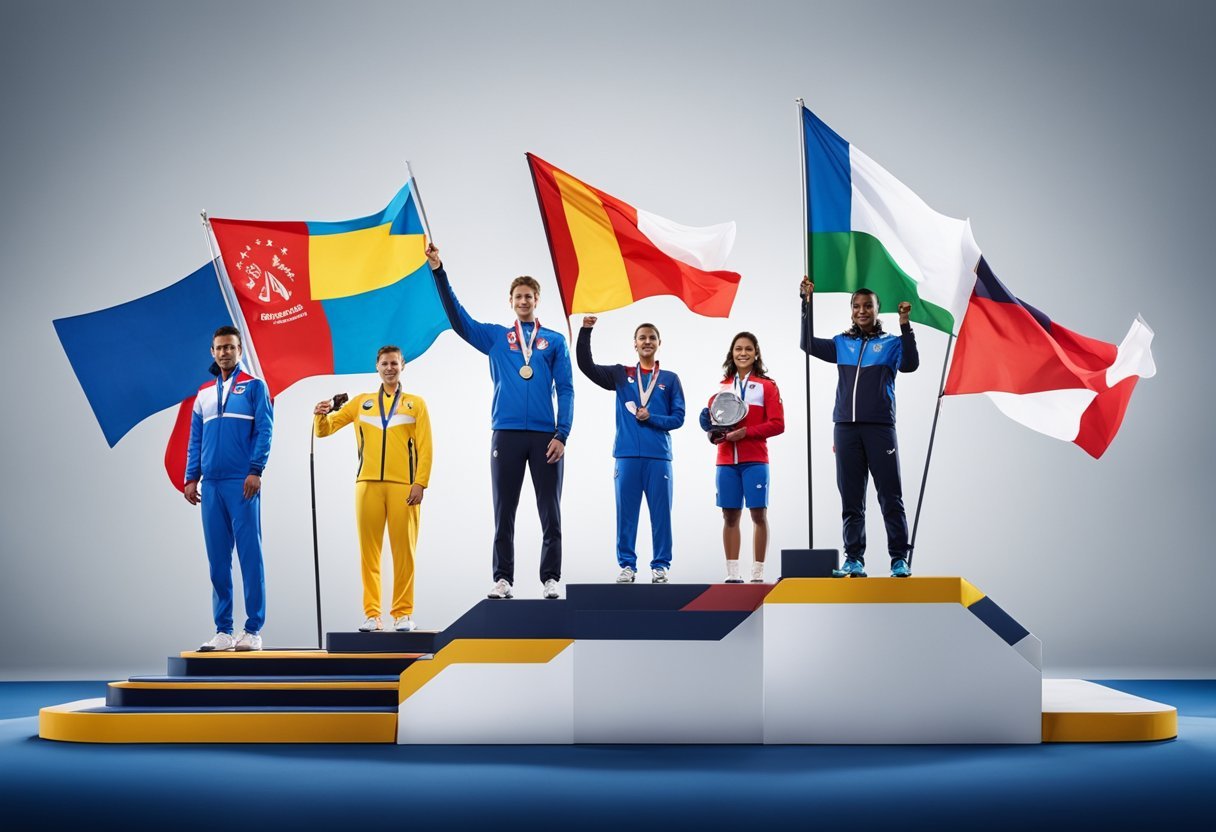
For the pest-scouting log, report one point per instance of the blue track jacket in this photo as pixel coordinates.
(650, 439)
(230, 428)
(519, 404)
(865, 391)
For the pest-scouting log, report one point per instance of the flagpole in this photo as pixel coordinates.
(544, 221)
(234, 308)
(426, 226)
(316, 550)
(924, 477)
(806, 332)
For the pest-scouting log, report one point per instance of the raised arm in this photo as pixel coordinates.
(479, 335)
(909, 359)
(822, 348)
(602, 375)
(326, 422)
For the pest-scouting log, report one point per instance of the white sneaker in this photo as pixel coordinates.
(502, 589)
(758, 573)
(550, 589)
(404, 624)
(219, 642)
(627, 575)
(371, 625)
(247, 642)
(658, 576)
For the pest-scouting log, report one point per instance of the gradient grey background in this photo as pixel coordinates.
(1076, 136)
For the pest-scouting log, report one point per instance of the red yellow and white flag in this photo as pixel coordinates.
(608, 254)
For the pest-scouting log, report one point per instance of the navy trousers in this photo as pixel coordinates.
(864, 449)
(512, 451)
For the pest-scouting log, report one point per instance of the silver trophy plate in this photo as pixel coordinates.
(727, 409)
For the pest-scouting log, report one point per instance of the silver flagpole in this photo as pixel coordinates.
(426, 226)
(809, 562)
(924, 477)
(806, 332)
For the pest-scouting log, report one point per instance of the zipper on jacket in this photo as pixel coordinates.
(410, 445)
(383, 450)
(857, 376)
(359, 472)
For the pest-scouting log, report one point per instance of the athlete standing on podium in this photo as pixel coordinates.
(864, 434)
(649, 405)
(393, 435)
(529, 366)
(230, 432)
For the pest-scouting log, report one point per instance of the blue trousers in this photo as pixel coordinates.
(229, 518)
(513, 451)
(636, 476)
(863, 449)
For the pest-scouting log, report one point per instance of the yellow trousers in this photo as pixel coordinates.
(378, 503)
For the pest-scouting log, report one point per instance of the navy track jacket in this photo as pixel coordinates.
(867, 366)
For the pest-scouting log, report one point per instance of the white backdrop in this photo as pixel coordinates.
(1075, 136)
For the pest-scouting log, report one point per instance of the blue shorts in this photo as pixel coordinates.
(747, 480)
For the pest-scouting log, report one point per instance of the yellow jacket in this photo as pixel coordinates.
(402, 453)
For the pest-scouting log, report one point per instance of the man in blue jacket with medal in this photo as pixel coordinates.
(649, 404)
(528, 364)
(230, 430)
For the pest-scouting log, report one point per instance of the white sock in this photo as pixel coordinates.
(758, 571)
(732, 568)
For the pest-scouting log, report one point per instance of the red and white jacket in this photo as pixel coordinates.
(765, 418)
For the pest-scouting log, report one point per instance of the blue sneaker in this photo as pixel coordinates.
(853, 568)
(900, 568)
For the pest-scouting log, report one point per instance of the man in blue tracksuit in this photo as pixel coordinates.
(230, 431)
(649, 404)
(867, 360)
(528, 365)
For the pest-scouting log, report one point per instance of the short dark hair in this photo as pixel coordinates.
(640, 327)
(864, 291)
(227, 329)
(524, 280)
(389, 348)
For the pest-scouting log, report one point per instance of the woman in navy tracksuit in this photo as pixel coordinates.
(867, 360)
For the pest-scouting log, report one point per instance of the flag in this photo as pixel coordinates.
(319, 298)
(866, 228)
(1044, 376)
(608, 254)
(140, 357)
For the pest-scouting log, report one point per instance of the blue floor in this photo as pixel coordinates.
(48, 785)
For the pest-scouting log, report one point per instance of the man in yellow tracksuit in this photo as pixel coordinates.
(393, 433)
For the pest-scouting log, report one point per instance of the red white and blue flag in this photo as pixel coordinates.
(1041, 374)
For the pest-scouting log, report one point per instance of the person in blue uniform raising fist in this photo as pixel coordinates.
(649, 405)
(530, 367)
(867, 360)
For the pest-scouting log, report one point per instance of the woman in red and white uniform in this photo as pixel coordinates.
(743, 452)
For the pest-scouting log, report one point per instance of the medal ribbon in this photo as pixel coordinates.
(221, 401)
(525, 346)
(385, 419)
(644, 392)
(741, 385)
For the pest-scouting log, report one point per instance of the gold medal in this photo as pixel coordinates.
(525, 347)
